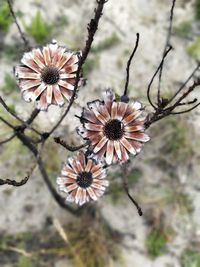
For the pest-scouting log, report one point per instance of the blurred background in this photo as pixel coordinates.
(164, 178)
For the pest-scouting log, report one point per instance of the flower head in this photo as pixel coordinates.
(82, 179)
(47, 75)
(115, 129)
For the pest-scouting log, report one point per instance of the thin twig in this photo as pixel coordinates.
(188, 103)
(126, 188)
(26, 124)
(9, 110)
(15, 183)
(162, 113)
(92, 28)
(185, 111)
(129, 64)
(190, 89)
(7, 139)
(7, 123)
(185, 83)
(167, 44)
(68, 147)
(26, 43)
(152, 79)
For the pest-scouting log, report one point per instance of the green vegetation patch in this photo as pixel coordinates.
(183, 29)
(39, 29)
(191, 259)
(116, 191)
(197, 9)
(5, 17)
(10, 85)
(91, 64)
(194, 49)
(107, 43)
(156, 243)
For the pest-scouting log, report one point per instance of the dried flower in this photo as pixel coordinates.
(47, 75)
(114, 128)
(82, 179)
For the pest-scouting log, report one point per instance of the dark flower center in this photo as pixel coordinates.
(50, 75)
(84, 179)
(114, 130)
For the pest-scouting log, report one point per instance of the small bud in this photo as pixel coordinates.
(125, 99)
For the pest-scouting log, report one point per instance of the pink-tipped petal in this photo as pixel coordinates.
(142, 137)
(100, 145)
(89, 165)
(134, 128)
(57, 95)
(91, 193)
(71, 187)
(121, 110)
(127, 145)
(49, 94)
(78, 195)
(99, 116)
(118, 149)
(47, 56)
(125, 156)
(109, 152)
(38, 91)
(27, 84)
(66, 85)
(114, 110)
(93, 127)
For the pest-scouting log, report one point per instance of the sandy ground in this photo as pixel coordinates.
(125, 18)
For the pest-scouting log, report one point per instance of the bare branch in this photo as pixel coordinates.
(26, 124)
(92, 28)
(185, 111)
(129, 64)
(165, 49)
(190, 89)
(68, 147)
(162, 113)
(185, 83)
(15, 183)
(126, 188)
(7, 139)
(7, 123)
(26, 43)
(152, 79)
(9, 110)
(188, 103)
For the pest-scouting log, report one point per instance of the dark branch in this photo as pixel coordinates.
(185, 83)
(14, 182)
(7, 123)
(92, 28)
(26, 43)
(188, 103)
(167, 44)
(152, 79)
(9, 110)
(162, 113)
(26, 124)
(185, 111)
(34, 114)
(7, 139)
(68, 147)
(126, 188)
(129, 64)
